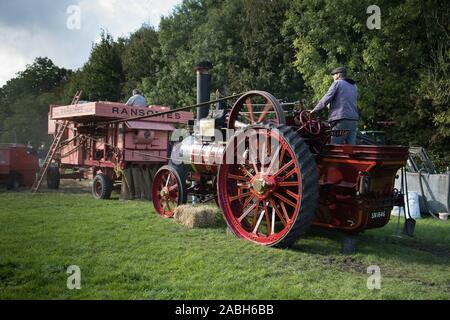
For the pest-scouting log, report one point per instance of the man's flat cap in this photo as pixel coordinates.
(339, 70)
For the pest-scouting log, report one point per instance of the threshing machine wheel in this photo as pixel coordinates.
(102, 186)
(256, 107)
(169, 189)
(53, 178)
(270, 198)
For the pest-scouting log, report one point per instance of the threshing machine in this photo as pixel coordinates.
(88, 140)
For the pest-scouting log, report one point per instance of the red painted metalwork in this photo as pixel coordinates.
(255, 107)
(18, 165)
(355, 183)
(95, 143)
(308, 124)
(166, 193)
(342, 204)
(259, 203)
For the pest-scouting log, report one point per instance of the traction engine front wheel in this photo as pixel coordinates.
(169, 189)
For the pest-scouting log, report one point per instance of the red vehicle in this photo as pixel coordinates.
(18, 165)
(274, 174)
(94, 146)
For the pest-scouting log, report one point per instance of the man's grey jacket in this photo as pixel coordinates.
(137, 101)
(342, 97)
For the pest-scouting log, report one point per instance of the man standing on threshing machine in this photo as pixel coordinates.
(343, 115)
(137, 100)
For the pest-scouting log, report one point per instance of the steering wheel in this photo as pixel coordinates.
(307, 123)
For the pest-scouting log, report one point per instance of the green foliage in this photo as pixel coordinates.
(401, 70)
(25, 100)
(140, 58)
(243, 40)
(103, 74)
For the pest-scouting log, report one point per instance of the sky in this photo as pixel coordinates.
(64, 30)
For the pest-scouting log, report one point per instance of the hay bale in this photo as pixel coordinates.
(195, 216)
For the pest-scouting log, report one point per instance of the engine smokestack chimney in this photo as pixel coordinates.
(203, 87)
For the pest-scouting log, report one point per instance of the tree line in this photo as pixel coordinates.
(285, 47)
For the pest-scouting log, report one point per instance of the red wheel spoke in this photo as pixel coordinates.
(290, 173)
(286, 215)
(250, 110)
(267, 107)
(292, 194)
(240, 196)
(288, 184)
(283, 168)
(283, 152)
(247, 202)
(237, 177)
(279, 214)
(284, 199)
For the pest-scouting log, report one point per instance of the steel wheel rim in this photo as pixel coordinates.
(255, 107)
(252, 219)
(165, 193)
(98, 188)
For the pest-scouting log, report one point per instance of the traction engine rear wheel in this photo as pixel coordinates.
(169, 189)
(269, 196)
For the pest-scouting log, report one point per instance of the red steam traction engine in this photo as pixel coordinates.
(99, 142)
(274, 174)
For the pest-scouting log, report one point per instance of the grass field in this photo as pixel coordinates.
(125, 251)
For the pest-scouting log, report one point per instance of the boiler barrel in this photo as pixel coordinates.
(198, 156)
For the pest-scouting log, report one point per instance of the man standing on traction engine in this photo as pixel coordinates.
(343, 114)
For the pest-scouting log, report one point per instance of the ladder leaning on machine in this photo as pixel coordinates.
(52, 151)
